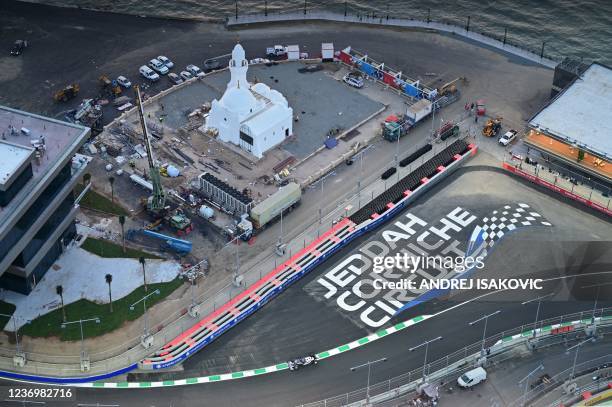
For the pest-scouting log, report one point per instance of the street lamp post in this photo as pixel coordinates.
(539, 300)
(397, 154)
(577, 347)
(360, 178)
(192, 274)
(526, 380)
(16, 329)
(596, 298)
(369, 365)
(144, 304)
(322, 181)
(426, 344)
(484, 331)
(80, 322)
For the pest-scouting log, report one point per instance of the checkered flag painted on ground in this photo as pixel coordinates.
(500, 223)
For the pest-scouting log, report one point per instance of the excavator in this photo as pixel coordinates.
(156, 203)
(492, 128)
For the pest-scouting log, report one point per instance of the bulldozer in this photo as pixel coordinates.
(492, 128)
(67, 93)
(110, 86)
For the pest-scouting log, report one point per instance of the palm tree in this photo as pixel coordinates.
(109, 280)
(144, 273)
(122, 223)
(111, 180)
(60, 291)
(86, 178)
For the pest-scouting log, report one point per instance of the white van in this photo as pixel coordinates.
(148, 73)
(472, 378)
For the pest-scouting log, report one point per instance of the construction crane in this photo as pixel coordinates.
(156, 203)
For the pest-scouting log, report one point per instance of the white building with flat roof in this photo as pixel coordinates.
(575, 127)
(253, 117)
(582, 113)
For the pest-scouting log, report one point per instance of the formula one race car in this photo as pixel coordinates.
(308, 360)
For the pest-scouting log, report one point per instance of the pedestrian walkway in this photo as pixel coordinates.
(502, 387)
(537, 377)
(380, 20)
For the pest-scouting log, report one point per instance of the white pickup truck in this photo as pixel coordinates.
(276, 51)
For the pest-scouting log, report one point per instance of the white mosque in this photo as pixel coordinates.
(254, 117)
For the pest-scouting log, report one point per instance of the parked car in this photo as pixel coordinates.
(355, 81)
(124, 82)
(259, 61)
(194, 70)
(148, 73)
(18, 47)
(158, 66)
(186, 75)
(174, 78)
(166, 61)
(211, 65)
(508, 137)
(311, 68)
(472, 378)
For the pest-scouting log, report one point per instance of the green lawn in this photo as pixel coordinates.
(7, 309)
(96, 201)
(104, 248)
(49, 324)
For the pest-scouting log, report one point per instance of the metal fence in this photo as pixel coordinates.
(564, 178)
(531, 397)
(457, 362)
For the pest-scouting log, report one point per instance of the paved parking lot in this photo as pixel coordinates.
(321, 102)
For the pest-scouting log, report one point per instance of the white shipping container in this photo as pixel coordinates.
(293, 52)
(327, 51)
(271, 207)
(142, 182)
(418, 111)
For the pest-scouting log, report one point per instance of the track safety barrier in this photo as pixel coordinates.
(370, 216)
(275, 282)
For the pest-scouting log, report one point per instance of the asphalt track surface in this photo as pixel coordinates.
(295, 323)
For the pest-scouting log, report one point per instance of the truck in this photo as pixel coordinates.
(276, 52)
(418, 111)
(286, 198)
(395, 127)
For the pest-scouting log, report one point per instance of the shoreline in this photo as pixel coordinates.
(324, 17)
(395, 23)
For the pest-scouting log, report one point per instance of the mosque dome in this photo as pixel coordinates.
(239, 99)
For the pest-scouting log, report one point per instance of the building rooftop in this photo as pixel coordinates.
(14, 157)
(22, 129)
(580, 114)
